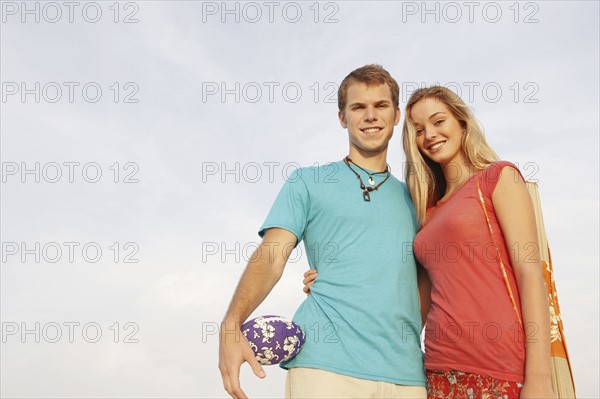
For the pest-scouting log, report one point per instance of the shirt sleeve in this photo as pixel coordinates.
(290, 209)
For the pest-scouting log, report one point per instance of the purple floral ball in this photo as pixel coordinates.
(273, 339)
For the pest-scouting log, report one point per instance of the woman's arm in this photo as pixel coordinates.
(424, 284)
(515, 214)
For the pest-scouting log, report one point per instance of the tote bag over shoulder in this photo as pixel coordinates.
(562, 373)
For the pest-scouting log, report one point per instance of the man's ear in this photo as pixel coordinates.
(397, 118)
(342, 119)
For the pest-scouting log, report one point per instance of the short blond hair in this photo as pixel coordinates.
(372, 74)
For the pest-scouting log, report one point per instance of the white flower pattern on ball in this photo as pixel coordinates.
(273, 339)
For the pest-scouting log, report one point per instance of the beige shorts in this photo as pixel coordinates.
(305, 383)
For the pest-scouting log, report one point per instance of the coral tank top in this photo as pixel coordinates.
(472, 325)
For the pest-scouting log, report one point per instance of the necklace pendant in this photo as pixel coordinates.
(366, 196)
(371, 181)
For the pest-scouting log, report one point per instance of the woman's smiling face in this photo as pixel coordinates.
(438, 132)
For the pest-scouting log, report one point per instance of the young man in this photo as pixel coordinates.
(362, 320)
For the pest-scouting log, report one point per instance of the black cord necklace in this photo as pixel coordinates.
(367, 190)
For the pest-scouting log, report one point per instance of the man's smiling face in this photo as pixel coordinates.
(370, 117)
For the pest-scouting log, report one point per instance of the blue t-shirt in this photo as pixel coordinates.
(362, 318)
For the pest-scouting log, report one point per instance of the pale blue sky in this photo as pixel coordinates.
(192, 216)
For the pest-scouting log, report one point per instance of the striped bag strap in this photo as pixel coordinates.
(498, 256)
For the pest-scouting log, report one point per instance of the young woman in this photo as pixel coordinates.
(482, 340)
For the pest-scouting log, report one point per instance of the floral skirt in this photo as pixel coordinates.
(459, 385)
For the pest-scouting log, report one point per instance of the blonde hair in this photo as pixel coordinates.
(425, 178)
